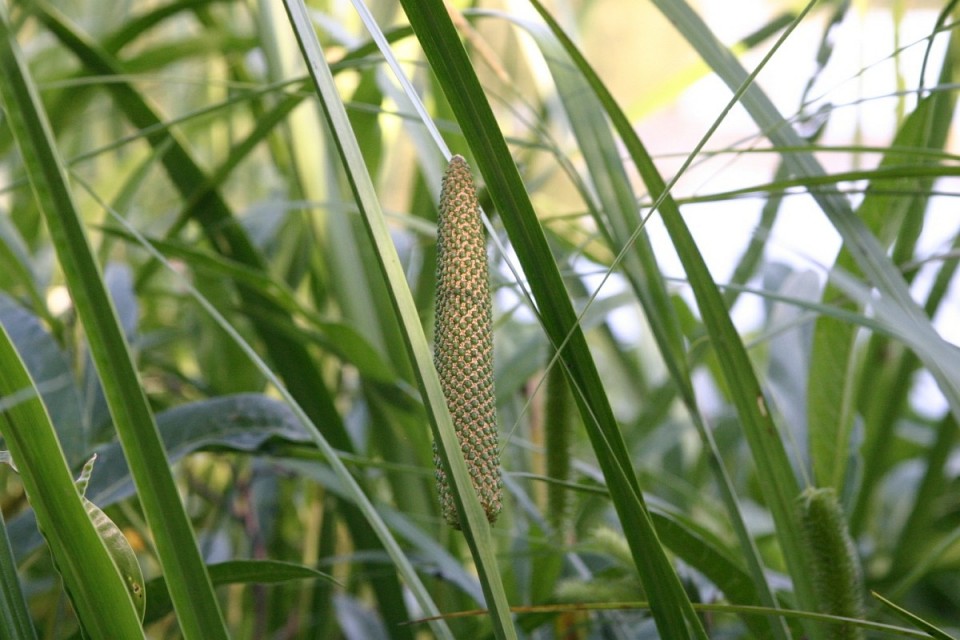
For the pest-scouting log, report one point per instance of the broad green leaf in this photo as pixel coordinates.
(50, 367)
(243, 422)
(122, 555)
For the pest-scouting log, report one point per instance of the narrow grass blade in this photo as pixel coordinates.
(834, 379)
(222, 229)
(192, 593)
(289, 355)
(15, 623)
(472, 519)
(880, 397)
(915, 620)
(867, 252)
(627, 238)
(450, 64)
(778, 483)
(351, 489)
(235, 572)
(96, 589)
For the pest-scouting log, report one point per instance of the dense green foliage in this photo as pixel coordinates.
(218, 259)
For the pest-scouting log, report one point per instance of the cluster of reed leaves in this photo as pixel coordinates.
(218, 257)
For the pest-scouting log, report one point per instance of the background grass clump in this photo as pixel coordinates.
(722, 256)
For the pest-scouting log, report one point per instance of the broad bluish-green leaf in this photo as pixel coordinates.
(243, 422)
(50, 367)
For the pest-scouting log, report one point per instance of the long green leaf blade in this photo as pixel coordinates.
(89, 574)
(863, 246)
(191, 591)
(779, 485)
(207, 206)
(619, 204)
(15, 621)
(449, 62)
(472, 519)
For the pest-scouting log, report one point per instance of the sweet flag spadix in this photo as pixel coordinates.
(463, 341)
